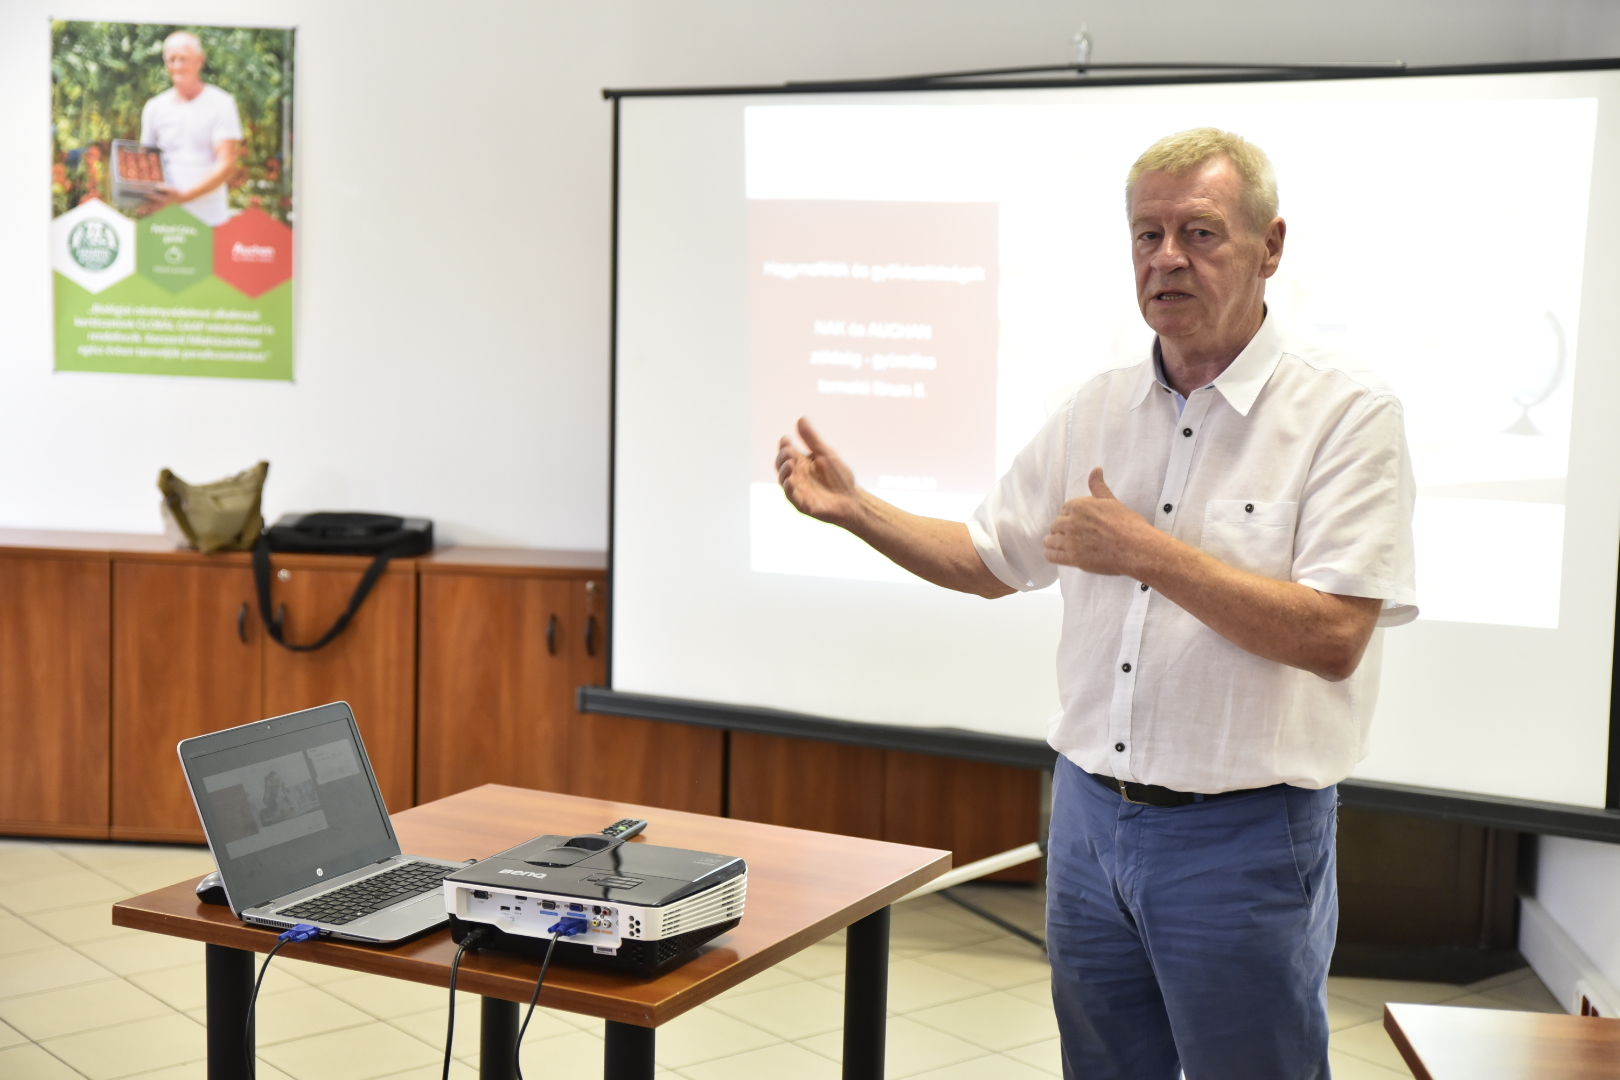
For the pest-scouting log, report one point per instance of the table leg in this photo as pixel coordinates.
(866, 996)
(230, 985)
(629, 1052)
(497, 1041)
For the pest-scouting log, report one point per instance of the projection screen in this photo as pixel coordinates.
(927, 275)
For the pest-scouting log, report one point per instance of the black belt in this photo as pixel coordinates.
(1154, 795)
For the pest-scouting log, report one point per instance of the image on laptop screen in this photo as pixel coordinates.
(279, 807)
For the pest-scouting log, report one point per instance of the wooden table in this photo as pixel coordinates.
(802, 886)
(1447, 1042)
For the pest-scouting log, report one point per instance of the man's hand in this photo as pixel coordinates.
(157, 200)
(817, 483)
(1100, 534)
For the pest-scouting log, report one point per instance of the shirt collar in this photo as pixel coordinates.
(1240, 384)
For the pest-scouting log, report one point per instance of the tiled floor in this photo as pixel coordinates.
(80, 998)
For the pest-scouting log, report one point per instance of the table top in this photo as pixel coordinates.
(802, 886)
(1449, 1042)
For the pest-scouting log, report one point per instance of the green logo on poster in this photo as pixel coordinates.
(93, 244)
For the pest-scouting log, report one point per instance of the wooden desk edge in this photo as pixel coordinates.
(511, 985)
(1392, 1027)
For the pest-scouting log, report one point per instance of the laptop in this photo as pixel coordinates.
(300, 833)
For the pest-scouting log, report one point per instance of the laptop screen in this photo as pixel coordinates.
(287, 802)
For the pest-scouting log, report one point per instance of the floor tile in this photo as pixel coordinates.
(1370, 1042)
(1375, 992)
(352, 1054)
(136, 1047)
(1035, 993)
(1344, 1013)
(387, 998)
(429, 1026)
(795, 1011)
(574, 1054)
(80, 1008)
(996, 1021)
(912, 1048)
(994, 1067)
(1046, 1056)
(1000, 965)
(1528, 995)
(143, 877)
(458, 1071)
(10, 1036)
(98, 856)
(816, 962)
(704, 1034)
(29, 1062)
(299, 1013)
(139, 953)
(1346, 1067)
(74, 888)
(316, 974)
(84, 923)
(784, 1061)
(18, 935)
(769, 979)
(915, 985)
(913, 931)
(186, 988)
(46, 969)
(24, 860)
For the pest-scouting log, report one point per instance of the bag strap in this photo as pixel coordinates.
(272, 624)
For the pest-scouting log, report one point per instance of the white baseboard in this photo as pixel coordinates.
(1560, 963)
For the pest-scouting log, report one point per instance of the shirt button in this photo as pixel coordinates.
(1125, 668)
(1187, 431)
(1144, 586)
(1249, 508)
(1120, 747)
(1167, 508)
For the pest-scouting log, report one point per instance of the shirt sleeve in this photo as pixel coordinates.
(227, 120)
(1009, 528)
(1355, 516)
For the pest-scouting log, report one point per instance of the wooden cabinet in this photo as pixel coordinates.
(970, 808)
(371, 665)
(54, 694)
(495, 681)
(185, 662)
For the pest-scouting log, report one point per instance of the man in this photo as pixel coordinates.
(1229, 520)
(199, 130)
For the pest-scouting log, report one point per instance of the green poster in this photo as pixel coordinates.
(172, 199)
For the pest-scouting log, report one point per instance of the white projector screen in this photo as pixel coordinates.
(926, 275)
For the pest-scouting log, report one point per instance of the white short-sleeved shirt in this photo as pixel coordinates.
(187, 132)
(1291, 465)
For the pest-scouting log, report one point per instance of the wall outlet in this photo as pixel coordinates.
(1587, 1003)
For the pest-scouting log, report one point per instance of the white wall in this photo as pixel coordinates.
(1577, 889)
(453, 321)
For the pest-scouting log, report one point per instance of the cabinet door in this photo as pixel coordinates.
(807, 785)
(185, 662)
(973, 808)
(643, 761)
(55, 670)
(371, 665)
(493, 683)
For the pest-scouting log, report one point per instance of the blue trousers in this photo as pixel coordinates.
(1191, 938)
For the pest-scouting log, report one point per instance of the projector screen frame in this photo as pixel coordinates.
(1490, 811)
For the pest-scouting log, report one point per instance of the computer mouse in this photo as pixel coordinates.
(211, 889)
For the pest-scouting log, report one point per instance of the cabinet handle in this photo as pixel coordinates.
(241, 623)
(551, 635)
(590, 636)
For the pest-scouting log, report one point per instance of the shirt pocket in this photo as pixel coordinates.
(1251, 535)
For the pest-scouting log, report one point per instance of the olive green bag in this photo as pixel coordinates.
(222, 516)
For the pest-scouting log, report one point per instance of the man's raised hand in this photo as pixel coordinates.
(817, 482)
(1100, 534)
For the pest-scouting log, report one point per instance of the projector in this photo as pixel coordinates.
(628, 907)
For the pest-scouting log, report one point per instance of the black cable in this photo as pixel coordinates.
(248, 1053)
(517, 1051)
(471, 940)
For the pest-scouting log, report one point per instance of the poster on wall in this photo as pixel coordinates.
(172, 199)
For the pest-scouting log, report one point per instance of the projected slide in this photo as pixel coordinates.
(927, 283)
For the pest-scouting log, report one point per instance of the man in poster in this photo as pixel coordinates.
(199, 130)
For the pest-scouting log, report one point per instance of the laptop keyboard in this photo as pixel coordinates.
(369, 895)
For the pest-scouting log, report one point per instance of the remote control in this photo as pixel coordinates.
(624, 830)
